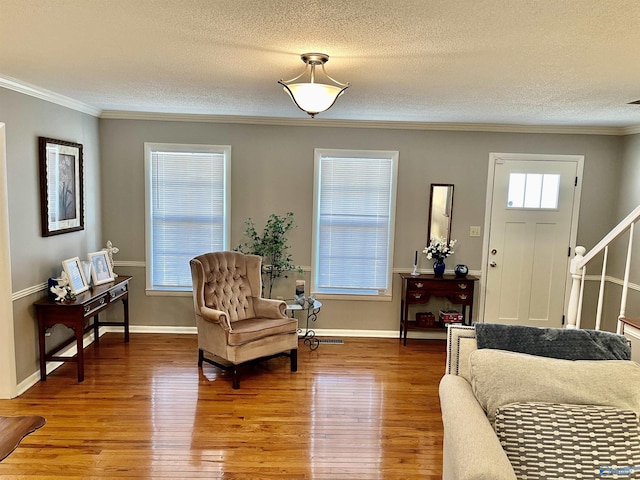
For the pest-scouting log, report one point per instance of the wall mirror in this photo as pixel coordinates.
(440, 211)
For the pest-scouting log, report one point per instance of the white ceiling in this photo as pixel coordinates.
(522, 62)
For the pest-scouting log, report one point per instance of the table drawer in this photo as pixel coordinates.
(441, 288)
(417, 285)
(418, 296)
(118, 292)
(461, 298)
(95, 305)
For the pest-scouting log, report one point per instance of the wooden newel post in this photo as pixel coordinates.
(575, 303)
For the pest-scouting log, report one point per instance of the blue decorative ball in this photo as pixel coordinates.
(461, 270)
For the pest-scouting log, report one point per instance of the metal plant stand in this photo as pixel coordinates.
(310, 310)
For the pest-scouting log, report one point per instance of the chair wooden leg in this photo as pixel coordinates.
(236, 378)
(200, 357)
(294, 359)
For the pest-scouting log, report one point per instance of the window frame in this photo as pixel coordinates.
(319, 153)
(149, 149)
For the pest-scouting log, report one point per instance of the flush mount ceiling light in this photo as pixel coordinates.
(312, 97)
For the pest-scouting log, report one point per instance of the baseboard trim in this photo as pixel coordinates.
(417, 334)
(320, 332)
(34, 378)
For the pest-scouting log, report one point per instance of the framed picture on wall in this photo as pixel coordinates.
(101, 271)
(61, 186)
(77, 280)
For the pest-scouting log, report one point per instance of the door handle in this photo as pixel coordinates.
(493, 264)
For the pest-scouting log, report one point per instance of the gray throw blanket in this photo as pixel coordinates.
(554, 342)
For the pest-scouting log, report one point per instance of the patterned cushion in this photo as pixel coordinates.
(550, 440)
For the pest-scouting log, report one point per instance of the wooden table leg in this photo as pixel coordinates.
(126, 319)
(405, 315)
(401, 322)
(41, 343)
(79, 331)
(96, 329)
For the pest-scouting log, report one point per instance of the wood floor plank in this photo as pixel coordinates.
(368, 409)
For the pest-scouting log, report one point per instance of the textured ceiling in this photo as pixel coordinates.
(531, 62)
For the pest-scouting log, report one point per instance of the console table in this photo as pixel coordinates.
(418, 289)
(76, 314)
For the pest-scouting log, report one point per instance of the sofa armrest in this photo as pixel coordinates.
(471, 450)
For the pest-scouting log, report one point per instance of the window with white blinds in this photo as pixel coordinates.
(354, 216)
(187, 214)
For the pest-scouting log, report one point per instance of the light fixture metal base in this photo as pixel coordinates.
(315, 58)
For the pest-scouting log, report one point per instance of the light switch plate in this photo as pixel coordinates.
(474, 231)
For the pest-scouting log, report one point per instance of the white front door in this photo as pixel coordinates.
(531, 224)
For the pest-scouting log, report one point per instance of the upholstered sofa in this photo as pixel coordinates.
(511, 415)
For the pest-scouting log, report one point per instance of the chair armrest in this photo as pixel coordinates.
(471, 450)
(268, 308)
(215, 316)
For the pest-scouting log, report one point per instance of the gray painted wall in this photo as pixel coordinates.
(272, 172)
(35, 258)
(629, 199)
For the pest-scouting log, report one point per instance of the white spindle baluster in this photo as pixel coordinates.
(579, 313)
(601, 292)
(625, 283)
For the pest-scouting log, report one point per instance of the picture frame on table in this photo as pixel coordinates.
(77, 281)
(61, 186)
(101, 270)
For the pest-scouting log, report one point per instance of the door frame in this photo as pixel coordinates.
(527, 157)
(8, 385)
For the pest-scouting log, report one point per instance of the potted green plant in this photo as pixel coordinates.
(272, 246)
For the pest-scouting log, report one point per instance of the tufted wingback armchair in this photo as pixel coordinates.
(235, 324)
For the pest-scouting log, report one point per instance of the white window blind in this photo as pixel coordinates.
(187, 209)
(354, 221)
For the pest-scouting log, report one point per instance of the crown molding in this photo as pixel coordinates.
(379, 124)
(53, 97)
(47, 95)
(631, 130)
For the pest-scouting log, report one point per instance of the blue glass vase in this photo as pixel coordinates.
(438, 268)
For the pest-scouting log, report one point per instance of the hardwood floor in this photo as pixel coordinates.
(368, 409)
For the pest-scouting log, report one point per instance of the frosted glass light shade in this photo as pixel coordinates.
(313, 97)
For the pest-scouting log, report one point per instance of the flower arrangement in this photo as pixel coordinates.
(438, 249)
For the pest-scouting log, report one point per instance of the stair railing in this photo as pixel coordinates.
(578, 270)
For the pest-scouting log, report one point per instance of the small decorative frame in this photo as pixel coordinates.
(101, 271)
(61, 186)
(73, 268)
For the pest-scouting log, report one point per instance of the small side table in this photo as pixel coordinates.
(311, 310)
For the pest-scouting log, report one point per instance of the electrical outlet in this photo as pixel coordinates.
(474, 231)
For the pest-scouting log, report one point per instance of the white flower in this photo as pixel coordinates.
(438, 249)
